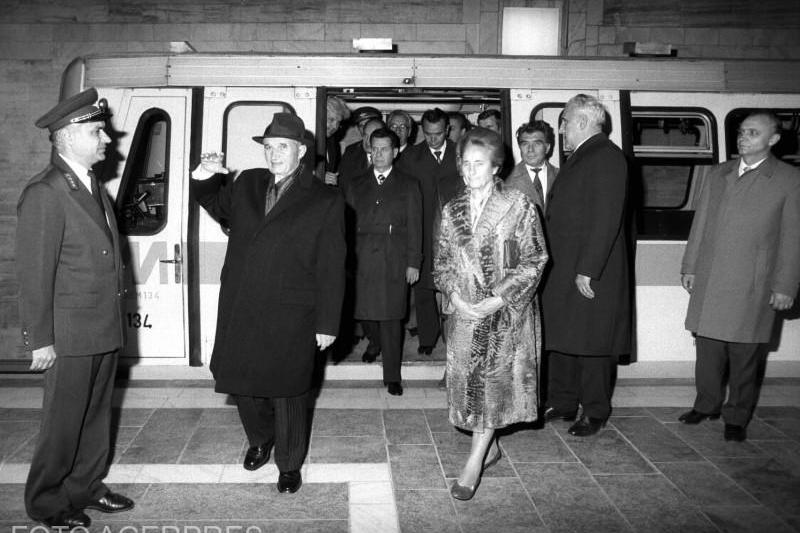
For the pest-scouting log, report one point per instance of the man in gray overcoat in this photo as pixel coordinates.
(741, 265)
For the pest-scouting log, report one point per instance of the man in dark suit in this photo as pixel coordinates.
(281, 293)
(433, 163)
(388, 216)
(357, 158)
(534, 175)
(401, 123)
(741, 266)
(586, 299)
(70, 274)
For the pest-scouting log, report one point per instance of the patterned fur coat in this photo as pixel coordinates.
(492, 363)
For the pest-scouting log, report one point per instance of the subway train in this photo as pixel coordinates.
(674, 118)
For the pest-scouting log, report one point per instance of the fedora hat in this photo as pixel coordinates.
(285, 126)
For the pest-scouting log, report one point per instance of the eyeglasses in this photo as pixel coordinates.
(398, 127)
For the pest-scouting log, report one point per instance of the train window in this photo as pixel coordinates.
(672, 150)
(142, 204)
(243, 121)
(787, 149)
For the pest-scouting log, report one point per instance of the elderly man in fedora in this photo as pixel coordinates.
(281, 293)
(70, 295)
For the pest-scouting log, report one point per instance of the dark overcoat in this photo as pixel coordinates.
(388, 228)
(282, 281)
(439, 183)
(588, 233)
(744, 245)
(492, 363)
(68, 266)
(353, 163)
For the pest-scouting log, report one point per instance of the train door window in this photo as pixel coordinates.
(243, 121)
(142, 202)
(787, 149)
(672, 151)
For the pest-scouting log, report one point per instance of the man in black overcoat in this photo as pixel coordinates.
(388, 228)
(70, 294)
(433, 163)
(586, 299)
(281, 293)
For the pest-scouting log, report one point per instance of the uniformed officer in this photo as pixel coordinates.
(70, 275)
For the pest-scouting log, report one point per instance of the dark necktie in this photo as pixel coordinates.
(438, 154)
(537, 183)
(272, 198)
(96, 192)
(381, 179)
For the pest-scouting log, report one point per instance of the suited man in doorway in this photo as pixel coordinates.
(534, 175)
(70, 274)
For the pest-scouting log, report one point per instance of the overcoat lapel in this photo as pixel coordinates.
(293, 196)
(83, 197)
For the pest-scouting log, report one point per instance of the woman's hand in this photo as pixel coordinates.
(463, 308)
(487, 306)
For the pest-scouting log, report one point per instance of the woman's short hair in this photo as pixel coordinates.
(486, 139)
(336, 107)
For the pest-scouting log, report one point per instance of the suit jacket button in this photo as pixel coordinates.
(104, 252)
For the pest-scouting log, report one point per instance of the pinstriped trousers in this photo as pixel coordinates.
(283, 421)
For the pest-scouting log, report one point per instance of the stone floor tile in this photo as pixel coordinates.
(528, 445)
(262, 526)
(608, 453)
(766, 479)
(242, 502)
(221, 416)
(406, 426)
(347, 472)
(705, 485)
(499, 504)
(453, 440)
(655, 441)
(12, 503)
(629, 411)
(568, 499)
(668, 414)
(371, 493)
(347, 423)
(786, 452)
(347, 449)
(14, 434)
(121, 438)
(214, 445)
(746, 519)
(373, 518)
(707, 439)
(438, 420)
(650, 503)
(415, 466)
(130, 416)
(163, 437)
(426, 510)
(453, 463)
(788, 426)
(8, 415)
(783, 411)
(758, 429)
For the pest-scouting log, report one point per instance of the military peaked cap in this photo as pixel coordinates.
(74, 110)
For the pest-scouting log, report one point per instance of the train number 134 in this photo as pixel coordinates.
(136, 320)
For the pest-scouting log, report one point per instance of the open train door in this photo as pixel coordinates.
(147, 173)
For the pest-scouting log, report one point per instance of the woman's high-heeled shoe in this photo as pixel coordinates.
(462, 492)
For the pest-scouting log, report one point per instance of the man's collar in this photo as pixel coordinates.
(385, 173)
(440, 149)
(76, 167)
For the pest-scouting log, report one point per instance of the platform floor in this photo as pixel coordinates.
(379, 463)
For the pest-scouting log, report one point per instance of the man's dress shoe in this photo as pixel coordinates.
(424, 349)
(551, 413)
(111, 503)
(257, 456)
(68, 520)
(586, 426)
(413, 332)
(695, 417)
(394, 388)
(369, 357)
(735, 433)
(290, 481)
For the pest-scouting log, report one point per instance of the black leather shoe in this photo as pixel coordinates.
(586, 426)
(424, 349)
(289, 481)
(370, 357)
(551, 413)
(111, 503)
(257, 456)
(735, 433)
(695, 417)
(68, 520)
(394, 388)
(412, 332)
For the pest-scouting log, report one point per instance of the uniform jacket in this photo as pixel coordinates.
(388, 220)
(520, 179)
(588, 233)
(744, 244)
(439, 183)
(492, 363)
(353, 163)
(282, 280)
(68, 266)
